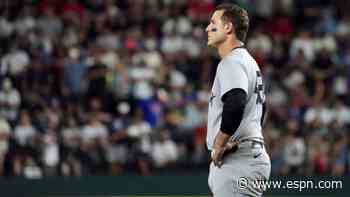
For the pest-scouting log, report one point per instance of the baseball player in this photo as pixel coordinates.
(236, 109)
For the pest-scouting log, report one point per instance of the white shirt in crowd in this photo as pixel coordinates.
(23, 134)
(50, 154)
(9, 102)
(322, 113)
(90, 133)
(164, 152)
(14, 62)
(141, 131)
(294, 152)
(306, 45)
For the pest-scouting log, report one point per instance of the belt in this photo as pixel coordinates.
(252, 141)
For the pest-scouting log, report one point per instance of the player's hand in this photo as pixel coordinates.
(220, 146)
(217, 156)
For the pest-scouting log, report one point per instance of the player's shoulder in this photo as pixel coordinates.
(232, 59)
(237, 58)
(244, 58)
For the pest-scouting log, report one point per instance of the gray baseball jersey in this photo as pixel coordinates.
(237, 70)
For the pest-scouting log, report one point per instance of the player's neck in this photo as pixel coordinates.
(226, 47)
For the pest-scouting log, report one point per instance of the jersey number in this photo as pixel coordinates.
(259, 88)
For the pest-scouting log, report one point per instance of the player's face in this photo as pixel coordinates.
(215, 29)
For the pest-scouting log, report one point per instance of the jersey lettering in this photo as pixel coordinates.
(259, 88)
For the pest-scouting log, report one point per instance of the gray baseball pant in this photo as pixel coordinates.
(241, 171)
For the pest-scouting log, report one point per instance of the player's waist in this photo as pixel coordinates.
(248, 143)
(250, 139)
(251, 142)
(240, 135)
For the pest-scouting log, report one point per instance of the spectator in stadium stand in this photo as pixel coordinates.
(94, 144)
(5, 133)
(69, 152)
(137, 133)
(294, 149)
(120, 143)
(26, 138)
(10, 101)
(164, 150)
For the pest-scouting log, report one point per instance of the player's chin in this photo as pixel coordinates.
(210, 44)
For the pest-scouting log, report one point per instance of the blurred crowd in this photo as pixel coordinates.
(105, 87)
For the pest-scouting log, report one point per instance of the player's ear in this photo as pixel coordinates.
(228, 27)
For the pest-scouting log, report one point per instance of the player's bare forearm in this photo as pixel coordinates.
(220, 142)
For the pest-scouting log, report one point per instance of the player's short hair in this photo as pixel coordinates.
(237, 16)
